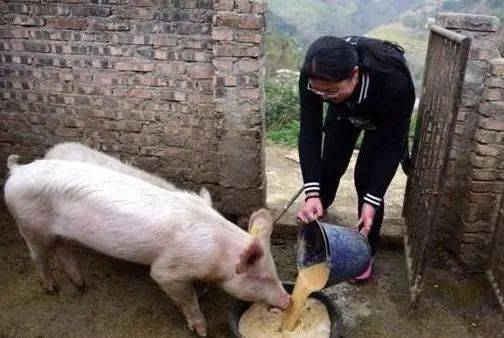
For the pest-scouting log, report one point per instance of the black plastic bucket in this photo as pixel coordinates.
(239, 307)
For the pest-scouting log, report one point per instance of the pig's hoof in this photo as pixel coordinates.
(199, 326)
(51, 288)
(81, 287)
(79, 284)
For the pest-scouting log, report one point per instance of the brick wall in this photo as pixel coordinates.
(173, 86)
(467, 207)
(485, 179)
(482, 30)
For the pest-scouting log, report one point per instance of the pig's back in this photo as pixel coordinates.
(74, 151)
(113, 213)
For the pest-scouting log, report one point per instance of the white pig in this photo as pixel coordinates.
(181, 238)
(78, 152)
(74, 151)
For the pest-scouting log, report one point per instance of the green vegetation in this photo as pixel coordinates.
(286, 135)
(282, 52)
(282, 107)
(282, 104)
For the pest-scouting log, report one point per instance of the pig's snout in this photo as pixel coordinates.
(285, 300)
(281, 300)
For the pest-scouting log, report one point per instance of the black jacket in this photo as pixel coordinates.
(382, 102)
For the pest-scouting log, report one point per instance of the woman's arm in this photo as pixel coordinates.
(310, 137)
(394, 112)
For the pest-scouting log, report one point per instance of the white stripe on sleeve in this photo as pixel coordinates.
(370, 201)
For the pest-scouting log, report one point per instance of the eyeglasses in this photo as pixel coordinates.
(322, 93)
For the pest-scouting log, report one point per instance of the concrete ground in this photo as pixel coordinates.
(284, 180)
(122, 301)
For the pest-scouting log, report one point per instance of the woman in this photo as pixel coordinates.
(367, 86)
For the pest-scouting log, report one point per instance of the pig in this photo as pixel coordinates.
(75, 151)
(182, 239)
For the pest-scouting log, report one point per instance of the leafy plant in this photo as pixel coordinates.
(282, 99)
(287, 135)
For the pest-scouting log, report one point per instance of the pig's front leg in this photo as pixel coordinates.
(182, 292)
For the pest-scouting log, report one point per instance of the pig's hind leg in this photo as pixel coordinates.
(64, 253)
(40, 247)
(182, 292)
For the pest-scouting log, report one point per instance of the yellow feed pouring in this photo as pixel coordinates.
(310, 279)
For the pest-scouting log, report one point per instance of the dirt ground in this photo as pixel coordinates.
(284, 180)
(122, 301)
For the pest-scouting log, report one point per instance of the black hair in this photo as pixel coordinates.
(331, 58)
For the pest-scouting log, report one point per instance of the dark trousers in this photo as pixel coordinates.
(339, 142)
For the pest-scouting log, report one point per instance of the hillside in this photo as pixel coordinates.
(294, 24)
(305, 20)
(413, 42)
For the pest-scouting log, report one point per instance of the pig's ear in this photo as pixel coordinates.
(261, 224)
(249, 256)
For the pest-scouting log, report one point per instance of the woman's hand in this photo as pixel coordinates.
(366, 220)
(311, 210)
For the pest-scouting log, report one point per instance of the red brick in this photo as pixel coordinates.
(123, 125)
(137, 93)
(171, 68)
(150, 3)
(187, 3)
(487, 150)
(239, 50)
(171, 152)
(73, 122)
(247, 66)
(165, 41)
(250, 21)
(247, 36)
(223, 5)
(491, 124)
(228, 19)
(250, 93)
(201, 71)
(28, 21)
(497, 67)
(136, 66)
(260, 7)
(77, 24)
(192, 55)
(493, 94)
(173, 95)
(196, 43)
(244, 6)
(222, 33)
